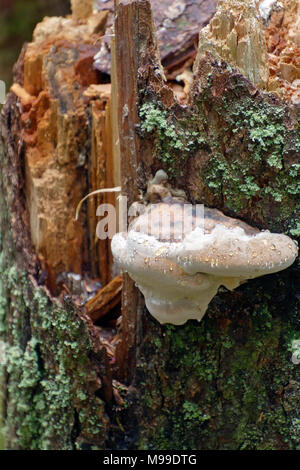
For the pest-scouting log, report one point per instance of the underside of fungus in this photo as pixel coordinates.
(179, 270)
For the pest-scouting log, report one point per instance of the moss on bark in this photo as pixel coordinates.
(233, 147)
(228, 382)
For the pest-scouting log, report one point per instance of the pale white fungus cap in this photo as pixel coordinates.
(179, 271)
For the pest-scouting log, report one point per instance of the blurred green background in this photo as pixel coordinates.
(17, 21)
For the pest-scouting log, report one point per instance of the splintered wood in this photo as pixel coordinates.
(82, 9)
(283, 43)
(261, 39)
(236, 34)
(105, 299)
(67, 144)
(100, 175)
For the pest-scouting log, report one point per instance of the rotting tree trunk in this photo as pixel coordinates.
(54, 359)
(226, 383)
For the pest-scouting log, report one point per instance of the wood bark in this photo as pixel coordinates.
(225, 383)
(215, 384)
(105, 299)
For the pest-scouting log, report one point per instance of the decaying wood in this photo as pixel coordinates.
(237, 34)
(56, 344)
(127, 63)
(25, 98)
(101, 175)
(265, 47)
(64, 120)
(105, 299)
(65, 117)
(82, 9)
(283, 43)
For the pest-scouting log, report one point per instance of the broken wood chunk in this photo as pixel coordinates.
(105, 300)
(102, 91)
(25, 97)
(97, 22)
(81, 9)
(66, 135)
(100, 176)
(236, 33)
(283, 42)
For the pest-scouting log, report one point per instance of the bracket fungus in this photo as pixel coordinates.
(179, 258)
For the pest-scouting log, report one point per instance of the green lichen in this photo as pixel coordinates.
(176, 140)
(244, 143)
(295, 231)
(192, 414)
(48, 371)
(265, 127)
(224, 383)
(250, 144)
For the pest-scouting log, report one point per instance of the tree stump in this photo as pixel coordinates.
(231, 140)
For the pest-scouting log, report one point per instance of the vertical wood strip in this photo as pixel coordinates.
(126, 61)
(136, 62)
(133, 27)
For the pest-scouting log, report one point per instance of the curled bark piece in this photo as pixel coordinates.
(105, 299)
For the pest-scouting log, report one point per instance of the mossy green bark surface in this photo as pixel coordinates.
(48, 402)
(233, 147)
(228, 382)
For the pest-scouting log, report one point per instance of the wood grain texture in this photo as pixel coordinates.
(105, 299)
